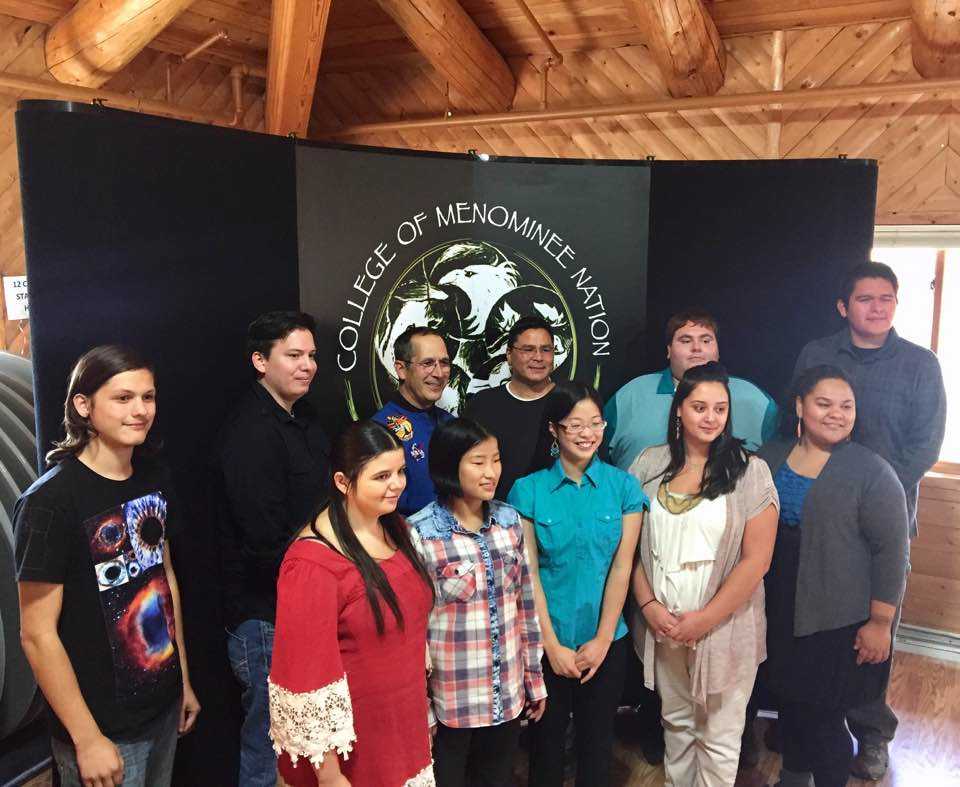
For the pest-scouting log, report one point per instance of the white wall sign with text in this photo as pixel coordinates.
(15, 297)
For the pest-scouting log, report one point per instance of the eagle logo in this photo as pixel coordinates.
(400, 425)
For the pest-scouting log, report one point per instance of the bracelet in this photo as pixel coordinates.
(647, 602)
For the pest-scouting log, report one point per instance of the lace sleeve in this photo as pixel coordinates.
(311, 723)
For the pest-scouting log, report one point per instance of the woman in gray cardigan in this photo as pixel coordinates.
(837, 576)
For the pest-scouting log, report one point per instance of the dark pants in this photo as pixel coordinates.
(594, 707)
(475, 756)
(815, 740)
(876, 723)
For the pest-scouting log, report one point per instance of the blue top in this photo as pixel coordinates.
(413, 428)
(792, 488)
(637, 415)
(578, 528)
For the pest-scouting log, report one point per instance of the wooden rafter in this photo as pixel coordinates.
(480, 79)
(297, 28)
(936, 37)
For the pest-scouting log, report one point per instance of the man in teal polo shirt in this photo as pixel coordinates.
(637, 414)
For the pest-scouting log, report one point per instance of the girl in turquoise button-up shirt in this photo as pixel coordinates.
(582, 520)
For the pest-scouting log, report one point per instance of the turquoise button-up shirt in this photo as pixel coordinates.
(637, 415)
(578, 528)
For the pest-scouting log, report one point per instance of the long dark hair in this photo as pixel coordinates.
(357, 445)
(90, 373)
(803, 384)
(727, 458)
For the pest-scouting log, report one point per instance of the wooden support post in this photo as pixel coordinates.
(297, 28)
(777, 63)
(97, 38)
(935, 37)
(684, 41)
(446, 35)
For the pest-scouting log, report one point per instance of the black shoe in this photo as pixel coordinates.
(871, 762)
(652, 749)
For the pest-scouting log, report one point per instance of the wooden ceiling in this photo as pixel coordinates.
(361, 36)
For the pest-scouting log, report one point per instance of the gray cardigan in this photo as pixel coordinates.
(853, 543)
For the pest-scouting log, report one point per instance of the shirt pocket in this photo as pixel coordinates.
(457, 581)
(508, 564)
(554, 536)
(609, 528)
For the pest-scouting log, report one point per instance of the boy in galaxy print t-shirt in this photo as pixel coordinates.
(100, 608)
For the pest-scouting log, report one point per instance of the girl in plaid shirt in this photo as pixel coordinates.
(483, 637)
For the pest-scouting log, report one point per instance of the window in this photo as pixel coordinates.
(927, 264)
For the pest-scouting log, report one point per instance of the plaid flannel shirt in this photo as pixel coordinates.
(483, 637)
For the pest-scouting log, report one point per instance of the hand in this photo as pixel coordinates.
(535, 709)
(99, 762)
(189, 708)
(659, 618)
(590, 656)
(690, 628)
(563, 661)
(873, 643)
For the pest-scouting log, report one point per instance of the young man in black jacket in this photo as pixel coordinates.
(273, 467)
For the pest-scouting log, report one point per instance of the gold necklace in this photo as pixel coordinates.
(676, 504)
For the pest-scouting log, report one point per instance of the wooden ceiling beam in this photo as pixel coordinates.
(684, 42)
(935, 37)
(297, 28)
(743, 17)
(97, 38)
(480, 79)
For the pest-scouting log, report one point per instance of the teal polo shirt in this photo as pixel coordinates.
(637, 415)
(578, 529)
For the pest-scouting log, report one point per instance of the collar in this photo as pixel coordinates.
(398, 399)
(887, 350)
(591, 473)
(446, 523)
(270, 405)
(665, 386)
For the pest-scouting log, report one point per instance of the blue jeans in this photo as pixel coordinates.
(147, 759)
(250, 647)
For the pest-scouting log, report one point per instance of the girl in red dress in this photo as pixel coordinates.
(348, 695)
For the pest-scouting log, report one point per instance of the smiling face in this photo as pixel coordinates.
(580, 433)
(692, 345)
(704, 413)
(870, 311)
(828, 412)
(122, 410)
(379, 484)
(289, 368)
(530, 357)
(425, 375)
(479, 470)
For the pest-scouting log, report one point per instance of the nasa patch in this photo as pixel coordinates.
(400, 425)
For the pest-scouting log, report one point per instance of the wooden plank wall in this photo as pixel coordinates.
(933, 588)
(196, 84)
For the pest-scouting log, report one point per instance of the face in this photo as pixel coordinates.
(424, 377)
(692, 345)
(828, 412)
(871, 308)
(379, 485)
(530, 357)
(122, 409)
(580, 433)
(704, 413)
(291, 365)
(480, 470)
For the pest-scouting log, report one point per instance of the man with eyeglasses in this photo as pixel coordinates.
(423, 369)
(513, 412)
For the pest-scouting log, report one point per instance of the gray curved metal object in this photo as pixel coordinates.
(19, 699)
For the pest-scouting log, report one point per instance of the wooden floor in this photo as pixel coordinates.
(924, 692)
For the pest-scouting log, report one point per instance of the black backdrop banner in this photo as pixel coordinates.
(468, 247)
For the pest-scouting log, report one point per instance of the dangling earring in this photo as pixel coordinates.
(555, 449)
(678, 428)
(799, 430)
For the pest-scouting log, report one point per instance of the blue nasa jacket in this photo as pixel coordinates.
(413, 428)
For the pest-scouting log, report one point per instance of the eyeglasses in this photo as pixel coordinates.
(429, 364)
(529, 349)
(593, 426)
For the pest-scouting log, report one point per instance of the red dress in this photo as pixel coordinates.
(335, 684)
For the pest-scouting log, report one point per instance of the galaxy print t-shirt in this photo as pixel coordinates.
(105, 541)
